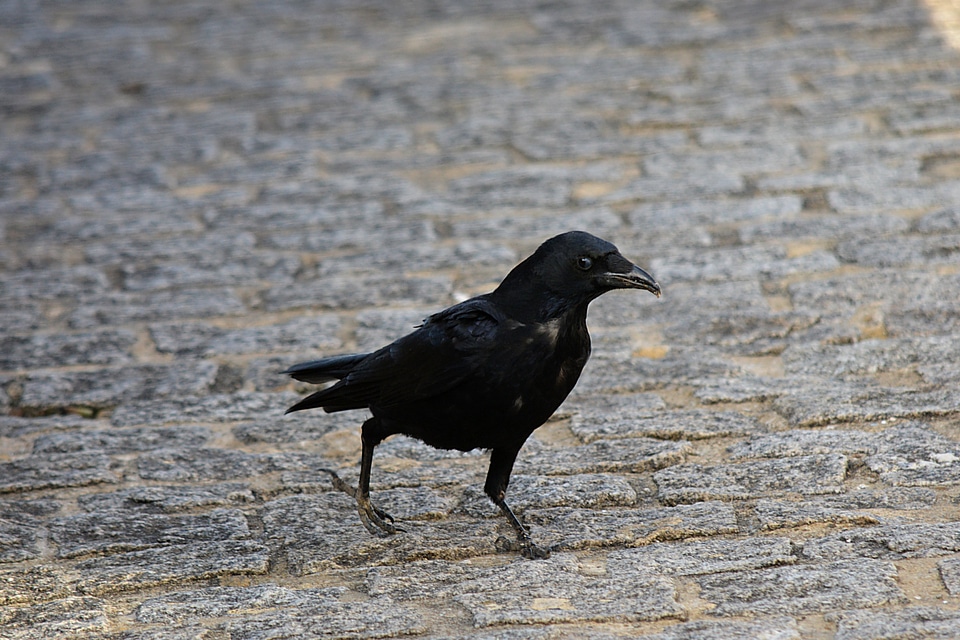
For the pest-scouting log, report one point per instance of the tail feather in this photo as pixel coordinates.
(312, 401)
(325, 369)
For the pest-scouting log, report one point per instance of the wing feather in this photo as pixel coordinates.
(446, 350)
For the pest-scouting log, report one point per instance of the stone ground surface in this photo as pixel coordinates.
(196, 194)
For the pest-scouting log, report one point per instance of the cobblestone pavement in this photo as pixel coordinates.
(196, 194)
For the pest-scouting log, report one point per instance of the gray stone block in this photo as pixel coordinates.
(51, 284)
(910, 454)
(602, 456)
(617, 417)
(17, 316)
(69, 617)
(167, 499)
(889, 542)
(476, 251)
(818, 403)
(299, 428)
(869, 357)
(517, 187)
(773, 514)
(206, 463)
(210, 271)
(942, 248)
(848, 508)
(38, 583)
(704, 557)
(554, 591)
(303, 229)
(748, 333)
(347, 293)
(104, 388)
(54, 471)
(556, 140)
(662, 216)
(507, 226)
(712, 181)
(747, 388)
(302, 335)
(803, 442)
(797, 589)
(938, 374)
(940, 221)
(950, 575)
(138, 570)
(271, 610)
(863, 200)
(559, 589)
(927, 118)
(111, 309)
(229, 407)
(121, 440)
(60, 350)
(566, 528)
(806, 475)
(774, 628)
(103, 225)
(739, 263)
(826, 227)
(17, 427)
(186, 632)
(622, 373)
(908, 290)
(99, 533)
(911, 622)
(20, 523)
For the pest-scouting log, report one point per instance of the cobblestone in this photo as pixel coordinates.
(929, 622)
(804, 588)
(196, 195)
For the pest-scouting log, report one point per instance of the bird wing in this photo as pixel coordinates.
(444, 351)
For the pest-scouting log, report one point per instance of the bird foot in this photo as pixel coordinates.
(524, 543)
(526, 548)
(377, 521)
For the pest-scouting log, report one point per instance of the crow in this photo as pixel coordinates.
(482, 374)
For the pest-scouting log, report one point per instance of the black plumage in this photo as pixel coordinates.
(484, 373)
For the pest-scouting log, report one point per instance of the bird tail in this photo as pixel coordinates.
(320, 371)
(312, 401)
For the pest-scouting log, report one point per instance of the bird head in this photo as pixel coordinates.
(572, 269)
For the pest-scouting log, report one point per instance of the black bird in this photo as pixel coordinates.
(482, 374)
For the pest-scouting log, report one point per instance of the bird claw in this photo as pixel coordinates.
(377, 521)
(383, 514)
(525, 547)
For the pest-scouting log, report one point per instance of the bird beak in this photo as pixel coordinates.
(636, 278)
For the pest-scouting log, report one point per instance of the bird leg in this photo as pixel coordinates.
(524, 543)
(374, 519)
(498, 476)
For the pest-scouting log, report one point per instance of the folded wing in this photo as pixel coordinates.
(444, 352)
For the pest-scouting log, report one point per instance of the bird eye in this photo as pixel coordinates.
(584, 263)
